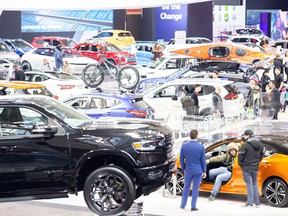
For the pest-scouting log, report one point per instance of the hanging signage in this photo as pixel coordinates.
(170, 19)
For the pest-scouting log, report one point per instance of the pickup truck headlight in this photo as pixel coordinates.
(148, 145)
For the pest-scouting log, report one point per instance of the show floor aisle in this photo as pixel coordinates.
(154, 205)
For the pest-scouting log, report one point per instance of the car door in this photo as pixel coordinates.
(236, 182)
(160, 98)
(27, 157)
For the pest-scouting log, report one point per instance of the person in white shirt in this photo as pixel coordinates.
(46, 66)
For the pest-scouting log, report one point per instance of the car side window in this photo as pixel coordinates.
(83, 48)
(148, 49)
(39, 41)
(94, 48)
(19, 121)
(167, 92)
(77, 103)
(98, 103)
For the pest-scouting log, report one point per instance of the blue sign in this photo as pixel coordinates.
(170, 19)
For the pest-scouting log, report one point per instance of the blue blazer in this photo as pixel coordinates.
(192, 158)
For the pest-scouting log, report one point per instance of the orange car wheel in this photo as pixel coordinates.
(276, 192)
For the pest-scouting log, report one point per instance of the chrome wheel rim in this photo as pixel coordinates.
(275, 193)
(108, 192)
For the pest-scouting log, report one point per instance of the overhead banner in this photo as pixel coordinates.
(169, 19)
(66, 20)
(88, 4)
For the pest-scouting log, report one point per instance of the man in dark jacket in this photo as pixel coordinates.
(194, 96)
(249, 156)
(193, 162)
(274, 96)
(187, 103)
(19, 73)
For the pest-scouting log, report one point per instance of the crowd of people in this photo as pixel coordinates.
(195, 166)
(18, 71)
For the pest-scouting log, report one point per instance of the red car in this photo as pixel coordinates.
(45, 41)
(113, 53)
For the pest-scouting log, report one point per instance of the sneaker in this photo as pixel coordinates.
(247, 205)
(257, 205)
(194, 209)
(211, 197)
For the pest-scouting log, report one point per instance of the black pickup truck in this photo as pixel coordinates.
(49, 150)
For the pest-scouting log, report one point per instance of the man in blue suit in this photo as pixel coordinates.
(193, 162)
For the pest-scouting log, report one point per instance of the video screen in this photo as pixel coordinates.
(66, 20)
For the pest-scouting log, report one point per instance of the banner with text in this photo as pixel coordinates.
(170, 19)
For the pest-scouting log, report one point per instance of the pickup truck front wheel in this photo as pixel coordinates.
(109, 190)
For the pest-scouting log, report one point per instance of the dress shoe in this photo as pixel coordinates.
(194, 209)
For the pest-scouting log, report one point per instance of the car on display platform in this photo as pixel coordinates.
(20, 46)
(50, 150)
(272, 175)
(46, 41)
(101, 104)
(225, 51)
(23, 88)
(190, 69)
(192, 40)
(62, 85)
(158, 97)
(120, 38)
(279, 46)
(143, 53)
(112, 53)
(164, 66)
(33, 59)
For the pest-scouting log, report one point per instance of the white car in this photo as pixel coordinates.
(164, 66)
(33, 59)
(61, 85)
(256, 39)
(159, 97)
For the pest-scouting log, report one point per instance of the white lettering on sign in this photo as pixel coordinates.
(175, 17)
(172, 7)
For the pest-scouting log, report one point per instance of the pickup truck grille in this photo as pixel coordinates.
(169, 147)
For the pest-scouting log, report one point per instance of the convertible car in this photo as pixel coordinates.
(272, 175)
(225, 51)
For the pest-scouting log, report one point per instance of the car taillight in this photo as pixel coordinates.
(231, 96)
(55, 97)
(138, 113)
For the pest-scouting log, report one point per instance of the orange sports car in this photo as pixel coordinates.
(272, 175)
(225, 51)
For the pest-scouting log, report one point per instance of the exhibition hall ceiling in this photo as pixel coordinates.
(88, 4)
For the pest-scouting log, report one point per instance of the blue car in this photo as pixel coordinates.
(145, 84)
(100, 104)
(18, 45)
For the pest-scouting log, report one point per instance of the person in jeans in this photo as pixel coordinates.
(249, 156)
(222, 173)
(192, 160)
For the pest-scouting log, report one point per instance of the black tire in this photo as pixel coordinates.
(128, 77)
(93, 75)
(276, 193)
(109, 190)
(179, 183)
(26, 66)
